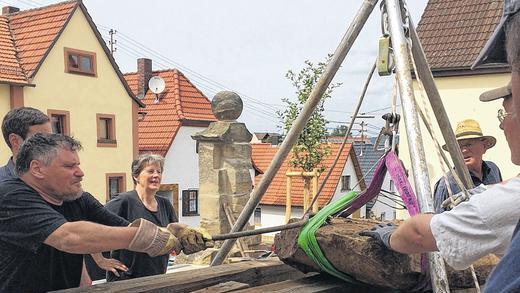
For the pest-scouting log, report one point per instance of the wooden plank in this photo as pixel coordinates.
(253, 273)
(224, 287)
(315, 284)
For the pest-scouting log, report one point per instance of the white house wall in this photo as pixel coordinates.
(181, 166)
(379, 208)
(354, 180)
(275, 215)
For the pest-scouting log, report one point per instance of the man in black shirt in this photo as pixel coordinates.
(47, 222)
(18, 125)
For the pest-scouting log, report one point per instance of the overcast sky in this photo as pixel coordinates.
(247, 47)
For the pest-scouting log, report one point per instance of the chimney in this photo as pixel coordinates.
(275, 139)
(144, 73)
(9, 9)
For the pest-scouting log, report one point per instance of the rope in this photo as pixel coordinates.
(428, 124)
(307, 239)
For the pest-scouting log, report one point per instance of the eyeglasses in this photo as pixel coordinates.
(502, 114)
(469, 144)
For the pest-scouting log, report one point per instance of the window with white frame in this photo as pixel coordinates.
(190, 202)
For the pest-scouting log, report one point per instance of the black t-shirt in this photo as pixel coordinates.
(26, 220)
(129, 206)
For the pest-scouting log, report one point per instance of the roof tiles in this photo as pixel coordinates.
(262, 155)
(35, 30)
(10, 69)
(453, 32)
(181, 101)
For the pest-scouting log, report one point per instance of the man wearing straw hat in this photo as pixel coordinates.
(473, 145)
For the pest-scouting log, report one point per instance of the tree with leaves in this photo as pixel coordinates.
(340, 130)
(308, 152)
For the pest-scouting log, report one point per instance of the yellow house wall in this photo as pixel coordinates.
(84, 96)
(5, 106)
(460, 98)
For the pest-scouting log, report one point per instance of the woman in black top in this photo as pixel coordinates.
(142, 202)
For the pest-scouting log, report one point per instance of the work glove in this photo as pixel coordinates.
(381, 232)
(153, 240)
(192, 239)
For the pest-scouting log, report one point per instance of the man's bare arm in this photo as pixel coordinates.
(414, 236)
(86, 237)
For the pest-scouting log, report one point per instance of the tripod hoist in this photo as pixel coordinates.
(399, 50)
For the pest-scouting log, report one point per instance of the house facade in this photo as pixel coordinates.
(346, 176)
(166, 126)
(54, 59)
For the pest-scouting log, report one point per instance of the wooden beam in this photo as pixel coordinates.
(319, 283)
(315, 191)
(254, 273)
(231, 286)
(300, 174)
(288, 200)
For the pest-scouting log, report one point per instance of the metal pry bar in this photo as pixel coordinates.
(234, 235)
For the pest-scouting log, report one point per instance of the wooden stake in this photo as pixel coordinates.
(315, 191)
(288, 200)
(306, 192)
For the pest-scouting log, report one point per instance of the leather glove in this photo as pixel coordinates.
(381, 232)
(152, 239)
(192, 239)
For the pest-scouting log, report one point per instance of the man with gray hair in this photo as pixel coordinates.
(47, 222)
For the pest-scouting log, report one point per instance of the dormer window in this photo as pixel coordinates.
(80, 62)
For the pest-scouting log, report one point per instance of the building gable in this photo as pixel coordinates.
(36, 31)
(262, 155)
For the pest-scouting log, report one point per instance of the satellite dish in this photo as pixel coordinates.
(156, 84)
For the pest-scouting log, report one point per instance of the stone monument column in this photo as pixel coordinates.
(224, 164)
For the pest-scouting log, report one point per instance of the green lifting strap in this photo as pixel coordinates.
(308, 242)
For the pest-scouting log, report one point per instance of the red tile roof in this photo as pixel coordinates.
(36, 30)
(453, 32)
(34, 33)
(10, 69)
(181, 103)
(262, 155)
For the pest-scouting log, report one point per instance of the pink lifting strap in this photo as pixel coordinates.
(398, 175)
(389, 162)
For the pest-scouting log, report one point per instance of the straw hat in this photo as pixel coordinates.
(470, 128)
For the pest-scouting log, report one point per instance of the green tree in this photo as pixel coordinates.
(308, 151)
(340, 130)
